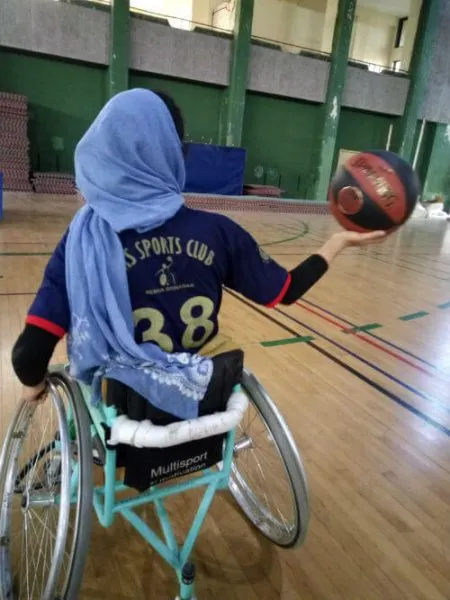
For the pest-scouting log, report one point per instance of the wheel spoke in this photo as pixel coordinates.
(271, 494)
(43, 543)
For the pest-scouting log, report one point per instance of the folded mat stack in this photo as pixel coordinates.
(54, 183)
(267, 191)
(14, 145)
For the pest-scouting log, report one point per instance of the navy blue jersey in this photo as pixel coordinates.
(175, 276)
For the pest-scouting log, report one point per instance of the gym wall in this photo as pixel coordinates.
(281, 140)
(200, 104)
(64, 98)
(438, 157)
(283, 102)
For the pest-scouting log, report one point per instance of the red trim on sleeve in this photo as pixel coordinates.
(46, 325)
(282, 294)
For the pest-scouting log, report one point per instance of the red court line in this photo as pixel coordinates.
(367, 340)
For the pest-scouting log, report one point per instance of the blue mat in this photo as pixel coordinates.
(214, 169)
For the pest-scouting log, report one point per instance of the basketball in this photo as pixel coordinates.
(372, 191)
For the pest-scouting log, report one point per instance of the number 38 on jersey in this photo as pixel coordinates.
(197, 329)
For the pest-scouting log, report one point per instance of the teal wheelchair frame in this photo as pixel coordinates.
(54, 476)
(107, 506)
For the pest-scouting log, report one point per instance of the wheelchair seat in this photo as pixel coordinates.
(148, 466)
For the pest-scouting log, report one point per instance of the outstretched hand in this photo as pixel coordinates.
(344, 239)
(352, 238)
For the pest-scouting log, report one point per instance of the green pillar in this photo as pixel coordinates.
(119, 47)
(404, 131)
(232, 114)
(332, 106)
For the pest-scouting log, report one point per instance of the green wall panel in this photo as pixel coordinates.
(426, 148)
(362, 131)
(64, 98)
(199, 103)
(437, 181)
(369, 131)
(280, 136)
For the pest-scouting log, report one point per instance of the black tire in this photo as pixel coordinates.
(85, 492)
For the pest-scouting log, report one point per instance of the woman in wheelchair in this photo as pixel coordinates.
(103, 284)
(136, 283)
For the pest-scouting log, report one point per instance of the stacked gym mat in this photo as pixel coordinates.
(14, 145)
(54, 183)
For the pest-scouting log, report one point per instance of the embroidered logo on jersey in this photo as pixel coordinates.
(166, 277)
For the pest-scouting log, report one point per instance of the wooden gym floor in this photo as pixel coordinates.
(369, 408)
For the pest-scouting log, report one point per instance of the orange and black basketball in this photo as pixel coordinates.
(374, 190)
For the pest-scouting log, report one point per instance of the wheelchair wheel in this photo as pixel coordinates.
(267, 479)
(46, 496)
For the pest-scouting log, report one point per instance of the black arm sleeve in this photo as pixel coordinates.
(304, 276)
(32, 353)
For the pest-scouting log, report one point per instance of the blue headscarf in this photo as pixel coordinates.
(129, 168)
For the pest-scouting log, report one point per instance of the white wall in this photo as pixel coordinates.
(223, 15)
(299, 24)
(373, 37)
(305, 27)
(328, 25)
(202, 11)
(179, 11)
(410, 33)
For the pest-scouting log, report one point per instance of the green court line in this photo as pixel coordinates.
(302, 233)
(292, 340)
(416, 315)
(367, 327)
(445, 305)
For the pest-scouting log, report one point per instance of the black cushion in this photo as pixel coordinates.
(145, 467)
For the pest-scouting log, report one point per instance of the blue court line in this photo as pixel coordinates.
(412, 409)
(445, 305)
(374, 335)
(373, 366)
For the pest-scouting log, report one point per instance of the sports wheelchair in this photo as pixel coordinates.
(47, 490)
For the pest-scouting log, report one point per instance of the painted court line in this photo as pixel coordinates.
(445, 305)
(370, 364)
(302, 233)
(398, 266)
(382, 390)
(373, 335)
(363, 328)
(365, 339)
(416, 264)
(25, 253)
(292, 340)
(417, 315)
(18, 294)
